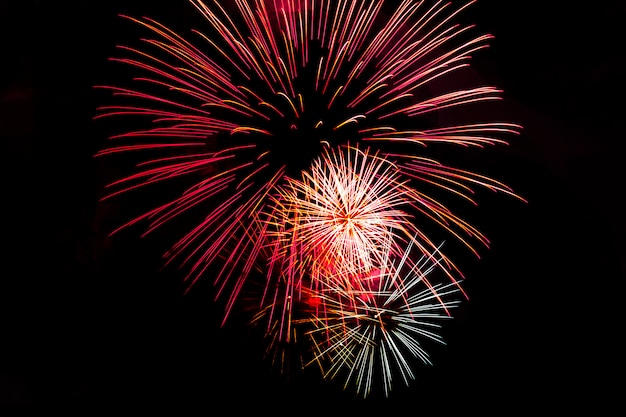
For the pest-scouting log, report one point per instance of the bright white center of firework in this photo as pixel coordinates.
(345, 206)
(348, 223)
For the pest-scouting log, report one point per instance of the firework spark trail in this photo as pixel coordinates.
(263, 92)
(337, 222)
(346, 206)
(344, 221)
(375, 339)
(373, 333)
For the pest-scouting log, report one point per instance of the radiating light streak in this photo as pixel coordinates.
(231, 113)
(375, 335)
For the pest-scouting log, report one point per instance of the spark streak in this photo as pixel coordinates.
(300, 131)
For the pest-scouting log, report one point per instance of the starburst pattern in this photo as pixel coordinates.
(293, 136)
(342, 212)
(343, 218)
(372, 335)
(222, 118)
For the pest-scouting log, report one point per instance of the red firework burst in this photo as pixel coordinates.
(257, 97)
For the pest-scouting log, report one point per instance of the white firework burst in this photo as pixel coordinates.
(377, 334)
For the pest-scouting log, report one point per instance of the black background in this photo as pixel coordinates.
(90, 326)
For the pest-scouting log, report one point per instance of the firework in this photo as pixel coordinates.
(345, 208)
(336, 224)
(373, 335)
(340, 214)
(254, 99)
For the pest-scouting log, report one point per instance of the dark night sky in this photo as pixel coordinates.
(89, 325)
